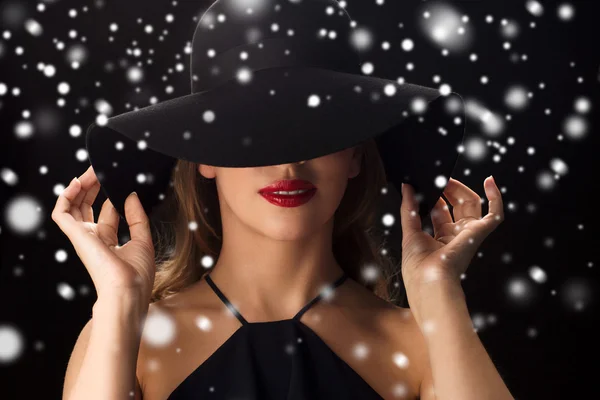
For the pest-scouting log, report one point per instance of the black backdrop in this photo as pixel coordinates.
(532, 290)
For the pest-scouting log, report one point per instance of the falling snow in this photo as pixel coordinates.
(529, 114)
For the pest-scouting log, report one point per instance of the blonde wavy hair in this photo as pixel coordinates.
(179, 249)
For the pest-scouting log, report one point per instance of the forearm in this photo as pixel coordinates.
(108, 368)
(461, 367)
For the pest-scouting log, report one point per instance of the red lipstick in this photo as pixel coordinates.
(288, 200)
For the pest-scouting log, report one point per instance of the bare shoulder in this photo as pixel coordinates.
(398, 326)
(147, 353)
(391, 333)
(396, 322)
(170, 325)
(405, 333)
(399, 322)
(391, 316)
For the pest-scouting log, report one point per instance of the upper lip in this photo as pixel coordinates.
(288, 185)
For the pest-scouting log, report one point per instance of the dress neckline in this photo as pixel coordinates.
(296, 317)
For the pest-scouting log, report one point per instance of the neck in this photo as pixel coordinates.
(272, 279)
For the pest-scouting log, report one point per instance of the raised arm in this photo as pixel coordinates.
(459, 367)
(104, 360)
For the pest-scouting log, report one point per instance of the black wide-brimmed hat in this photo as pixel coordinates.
(274, 82)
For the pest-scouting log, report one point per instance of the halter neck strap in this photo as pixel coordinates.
(298, 315)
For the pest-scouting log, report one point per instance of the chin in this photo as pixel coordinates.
(287, 231)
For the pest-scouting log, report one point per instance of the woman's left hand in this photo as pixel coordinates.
(446, 255)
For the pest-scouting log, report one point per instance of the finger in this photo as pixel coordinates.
(465, 202)
(90, 250)
(61, 214)
(86, 209)
(409, 216)
(87, 180)
(89, 172)
(468, 242)
(108, 224)
(440, 216)
(85, 184)
(495, 213)
(139, 225)
(75, 211)
(90, 188)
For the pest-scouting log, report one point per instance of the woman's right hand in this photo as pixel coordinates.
(114, 269)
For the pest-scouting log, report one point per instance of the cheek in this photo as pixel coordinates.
(236, 192)
(338, 166)
(330, 199)
(331, 189)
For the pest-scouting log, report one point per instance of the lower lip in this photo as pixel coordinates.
(289, 200)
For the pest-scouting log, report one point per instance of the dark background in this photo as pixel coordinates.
(539, 333)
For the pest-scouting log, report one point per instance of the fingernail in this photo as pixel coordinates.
(402, 188)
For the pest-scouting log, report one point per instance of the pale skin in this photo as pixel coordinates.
(275, 259)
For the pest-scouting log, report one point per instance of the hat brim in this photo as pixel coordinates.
(268, 121)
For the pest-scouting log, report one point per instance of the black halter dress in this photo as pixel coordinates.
(274, 360)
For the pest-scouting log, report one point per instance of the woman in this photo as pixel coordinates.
(297, 304)
(273, 261)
